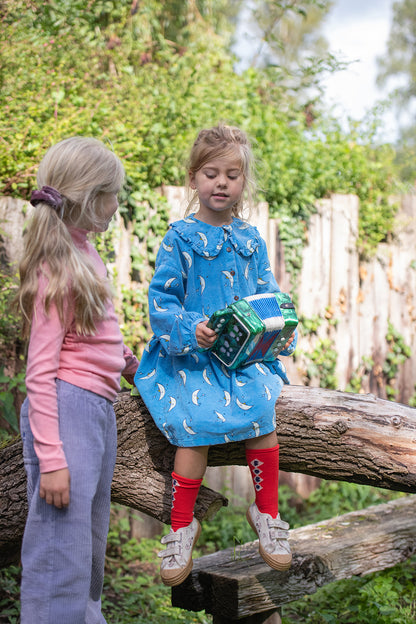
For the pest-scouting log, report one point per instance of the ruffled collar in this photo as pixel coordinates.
(208, 240)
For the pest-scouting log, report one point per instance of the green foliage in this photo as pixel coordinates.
(388, 597)
(133, 86)
(397, 70)
(12, 367)
(412, 400)
(355, 384)
(322, 363)
(9, 319)
(9, 594)
(397, 354)
(310, 325)
(227, 529)
(7, 398)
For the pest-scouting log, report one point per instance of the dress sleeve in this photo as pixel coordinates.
(171, 323)
(46, 338)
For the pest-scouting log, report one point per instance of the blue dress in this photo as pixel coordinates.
(193, 398)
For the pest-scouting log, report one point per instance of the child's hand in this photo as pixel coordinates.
(289, 342)
(54, 487)
(205, 336)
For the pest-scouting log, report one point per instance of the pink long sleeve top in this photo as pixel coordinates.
(93, 362)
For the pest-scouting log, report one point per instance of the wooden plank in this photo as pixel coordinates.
(236, 583)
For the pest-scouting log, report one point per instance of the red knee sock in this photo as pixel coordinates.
(264, 468)
(184, 493)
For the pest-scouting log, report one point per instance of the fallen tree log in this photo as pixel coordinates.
(324, 433)
(236, 585)
(142, 476)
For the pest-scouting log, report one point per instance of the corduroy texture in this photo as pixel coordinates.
(63, 549)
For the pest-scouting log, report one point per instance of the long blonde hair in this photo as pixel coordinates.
(224, 141)
(81, 169)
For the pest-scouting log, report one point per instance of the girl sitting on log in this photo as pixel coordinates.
(207, 261)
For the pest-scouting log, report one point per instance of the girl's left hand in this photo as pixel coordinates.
(55, 487)
(289, 342)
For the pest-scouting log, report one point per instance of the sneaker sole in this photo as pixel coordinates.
(183, 573)
(284, 562)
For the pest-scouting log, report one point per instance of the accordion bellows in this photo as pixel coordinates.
(253, 329)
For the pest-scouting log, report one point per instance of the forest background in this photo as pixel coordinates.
(144, 77)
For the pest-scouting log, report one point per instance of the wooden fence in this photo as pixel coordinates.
(358, 299)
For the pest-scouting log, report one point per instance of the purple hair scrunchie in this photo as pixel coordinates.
(48, 195)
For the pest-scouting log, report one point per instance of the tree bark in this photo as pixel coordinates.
(324, 433)
(235, 583)
(341, 436)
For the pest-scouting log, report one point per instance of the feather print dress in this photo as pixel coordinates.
(193, 398)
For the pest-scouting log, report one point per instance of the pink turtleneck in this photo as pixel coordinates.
(94, 363)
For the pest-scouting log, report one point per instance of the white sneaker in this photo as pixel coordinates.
(177, 558)
(273, 536)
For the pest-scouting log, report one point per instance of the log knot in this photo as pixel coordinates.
(396, 421)
(340, 426)
(310, 568)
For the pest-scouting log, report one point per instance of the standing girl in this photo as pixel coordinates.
(75, 359)
(207, 261)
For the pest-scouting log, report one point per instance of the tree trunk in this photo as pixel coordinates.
(341, 436)
(324, 433)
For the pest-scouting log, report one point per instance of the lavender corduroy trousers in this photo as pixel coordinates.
(63, 550)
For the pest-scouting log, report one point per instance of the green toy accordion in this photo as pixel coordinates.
(253, 329)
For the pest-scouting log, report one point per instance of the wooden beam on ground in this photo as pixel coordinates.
(324, 433)
(235, 584)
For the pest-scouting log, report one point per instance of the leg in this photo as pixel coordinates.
(100, 520)
(57, 550)
(191, 462)
(263, 460)
(266, 441)
(189, 469)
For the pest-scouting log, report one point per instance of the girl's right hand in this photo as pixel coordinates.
(205, 336)
(54, 487)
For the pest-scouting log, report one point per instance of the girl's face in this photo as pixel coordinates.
(219, 185)
(107, 204)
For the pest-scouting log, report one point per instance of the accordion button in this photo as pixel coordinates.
(228, 249)
(232, 272)
(236, 297)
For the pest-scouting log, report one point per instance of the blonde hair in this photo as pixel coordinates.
(224, 141)
(82, 169)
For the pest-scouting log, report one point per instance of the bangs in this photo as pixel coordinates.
(231, 152)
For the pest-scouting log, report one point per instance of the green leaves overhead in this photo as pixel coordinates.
(145, 77)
